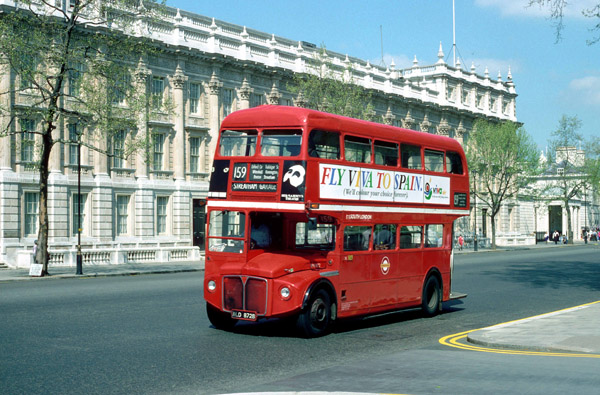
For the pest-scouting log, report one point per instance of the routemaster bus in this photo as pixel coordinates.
(320, 217)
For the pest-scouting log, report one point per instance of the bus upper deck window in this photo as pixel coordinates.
(410, 156)
(238, 143)
(386, 153)
(357, 149)
(434, 161)
(324, 145)
(453, 163)
(281, 142)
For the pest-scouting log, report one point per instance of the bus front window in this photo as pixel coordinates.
(238, 143)
(226, 231)
(321, 238)
(281, 143)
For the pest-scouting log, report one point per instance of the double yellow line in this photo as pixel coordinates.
(458, 340)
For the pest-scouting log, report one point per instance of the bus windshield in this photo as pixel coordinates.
(226, 231)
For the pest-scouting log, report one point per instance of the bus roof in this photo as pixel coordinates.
(275, 116)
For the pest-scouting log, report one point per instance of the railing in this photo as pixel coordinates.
(115, 256)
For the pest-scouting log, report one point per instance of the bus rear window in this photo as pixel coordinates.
(281, 142)
(325, 145)
(453, 163)
(434, 161)
(238, 143)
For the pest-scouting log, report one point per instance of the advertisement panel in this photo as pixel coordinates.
(357, 183)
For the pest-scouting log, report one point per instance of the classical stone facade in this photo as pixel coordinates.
(208, 68)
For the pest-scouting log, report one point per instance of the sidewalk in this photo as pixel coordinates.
(130, 269)
(572, 330)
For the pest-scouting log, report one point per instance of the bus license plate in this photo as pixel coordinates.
(243, 315)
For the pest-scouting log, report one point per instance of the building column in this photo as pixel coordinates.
(141, 80)
(245, 94)
(178, 80)
(214, 87)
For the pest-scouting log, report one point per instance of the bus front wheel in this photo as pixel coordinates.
(219, 319)
(315, 319)
(432, 297)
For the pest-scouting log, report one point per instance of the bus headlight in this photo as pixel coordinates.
(212, 286)
(285, 293)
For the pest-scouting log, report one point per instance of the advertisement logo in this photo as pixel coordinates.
(428, 191)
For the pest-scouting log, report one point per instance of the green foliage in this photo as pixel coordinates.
(330, 88)
(502, 157)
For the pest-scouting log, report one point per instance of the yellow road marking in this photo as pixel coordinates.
(457, 340)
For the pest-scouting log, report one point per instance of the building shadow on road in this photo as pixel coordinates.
(285, 327)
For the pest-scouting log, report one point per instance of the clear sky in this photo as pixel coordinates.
(551, 78)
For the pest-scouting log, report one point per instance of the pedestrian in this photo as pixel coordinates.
(461, 242)
(585, 236)
(35, 251)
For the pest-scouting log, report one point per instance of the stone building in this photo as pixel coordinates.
(209, 68)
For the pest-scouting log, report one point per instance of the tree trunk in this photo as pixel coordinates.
(493, 217)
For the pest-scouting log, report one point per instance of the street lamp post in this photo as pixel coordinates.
(475, 210)
(79, 257)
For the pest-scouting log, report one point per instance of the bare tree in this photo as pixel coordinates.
(557, 10)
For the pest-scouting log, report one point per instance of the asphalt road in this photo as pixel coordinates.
(149, 334)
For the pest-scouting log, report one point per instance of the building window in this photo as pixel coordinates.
(256, 100)
(158, 88)
(32, 204)
(227, 101)
(78, 207)
(194, 98)
(27, 73)
(119, 149)
(162, 203)
(27, 140)
(75, 76)
(120, 88)
(122, 215)
(194, 155)
(158, 143)
(74, 139)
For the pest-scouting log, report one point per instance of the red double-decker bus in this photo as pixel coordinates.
(324, 217)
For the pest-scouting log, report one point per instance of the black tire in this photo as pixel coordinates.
(315, 319)
(219, 319)
(432, 297)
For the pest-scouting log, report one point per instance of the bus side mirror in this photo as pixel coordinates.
(312, 224)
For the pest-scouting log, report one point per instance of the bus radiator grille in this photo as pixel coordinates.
(248, 295)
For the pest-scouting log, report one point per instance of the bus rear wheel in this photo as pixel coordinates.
(432, 297)
(219, 319)
(315, 319)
